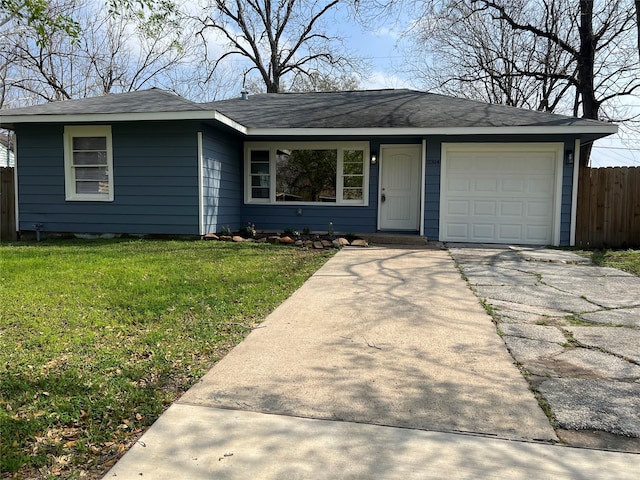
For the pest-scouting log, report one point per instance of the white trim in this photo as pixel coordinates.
(574, 192)
(69, 173)
(397, 146)
(200, 186)
(419, 131)
(558, 194)
(15, 181)
(272, 146)
(556, 147)
(423, 179)
(604, 129)
(124, 117)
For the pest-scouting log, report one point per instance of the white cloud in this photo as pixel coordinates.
(381, 80)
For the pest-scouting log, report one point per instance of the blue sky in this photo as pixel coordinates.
(379, 44)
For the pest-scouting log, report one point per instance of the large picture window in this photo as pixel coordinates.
(330, 173)
(88, 163)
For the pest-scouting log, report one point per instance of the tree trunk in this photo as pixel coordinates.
(638, 23)
(586, 61)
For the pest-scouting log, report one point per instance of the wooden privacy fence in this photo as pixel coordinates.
(7, 205)
(608, 212)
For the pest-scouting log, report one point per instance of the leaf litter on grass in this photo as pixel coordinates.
(97, 338)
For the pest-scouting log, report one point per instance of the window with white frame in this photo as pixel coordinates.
(88, 160)
(333, 173)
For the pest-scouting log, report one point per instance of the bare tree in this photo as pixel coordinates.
(465, 53)
(279, 39)
(112, 53)
(570, 56)
(601, 51)
(323, 82)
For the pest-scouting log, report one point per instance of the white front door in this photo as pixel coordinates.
(399, 193)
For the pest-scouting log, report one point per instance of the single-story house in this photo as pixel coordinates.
(151, 162)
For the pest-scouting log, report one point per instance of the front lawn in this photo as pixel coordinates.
(97, 338)
(627, 260)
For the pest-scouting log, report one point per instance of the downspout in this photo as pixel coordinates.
(422, 185)
(15, 182)
(200, 187)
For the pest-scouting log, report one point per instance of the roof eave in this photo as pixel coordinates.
(9, 121)
(590, 130)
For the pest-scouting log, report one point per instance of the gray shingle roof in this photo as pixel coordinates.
(340, 110)
(382, 109)
(142, 101)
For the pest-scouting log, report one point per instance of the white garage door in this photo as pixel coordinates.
(499, 194)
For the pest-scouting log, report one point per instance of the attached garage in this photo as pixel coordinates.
(501, 193)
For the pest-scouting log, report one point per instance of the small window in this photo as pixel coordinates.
(353, 175)
(260, 174)
(88, 163)
(307, 173)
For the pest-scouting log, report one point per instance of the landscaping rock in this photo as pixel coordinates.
(238, 238)
(308, 243)
(273, 239)
(299, 243)
(327, 244)
(211, 236)
(262, 240)
(287, 240)
(318, 245)
(340, 242)
(226, 238)
(359, 243)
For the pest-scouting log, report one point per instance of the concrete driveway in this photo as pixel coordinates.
(574, 329)
(382, 365)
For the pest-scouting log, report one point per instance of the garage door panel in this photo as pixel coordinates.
(486, 162)
(513, 185)
(538, 232)
(458, 231)
(511, 208)
(538, 210)
(459, 184)
(485, 185)
(510, 233)
(484, 208)
(498, 195)
(482, 232)
(511, 164)
(458, 207)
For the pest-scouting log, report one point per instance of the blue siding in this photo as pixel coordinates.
(155, 181)
(432, 190)
(222, 180)
(156, 184)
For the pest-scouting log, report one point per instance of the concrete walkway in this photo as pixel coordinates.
(372, 369)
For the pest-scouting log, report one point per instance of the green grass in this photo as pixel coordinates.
(97, 338)
(627, 260)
